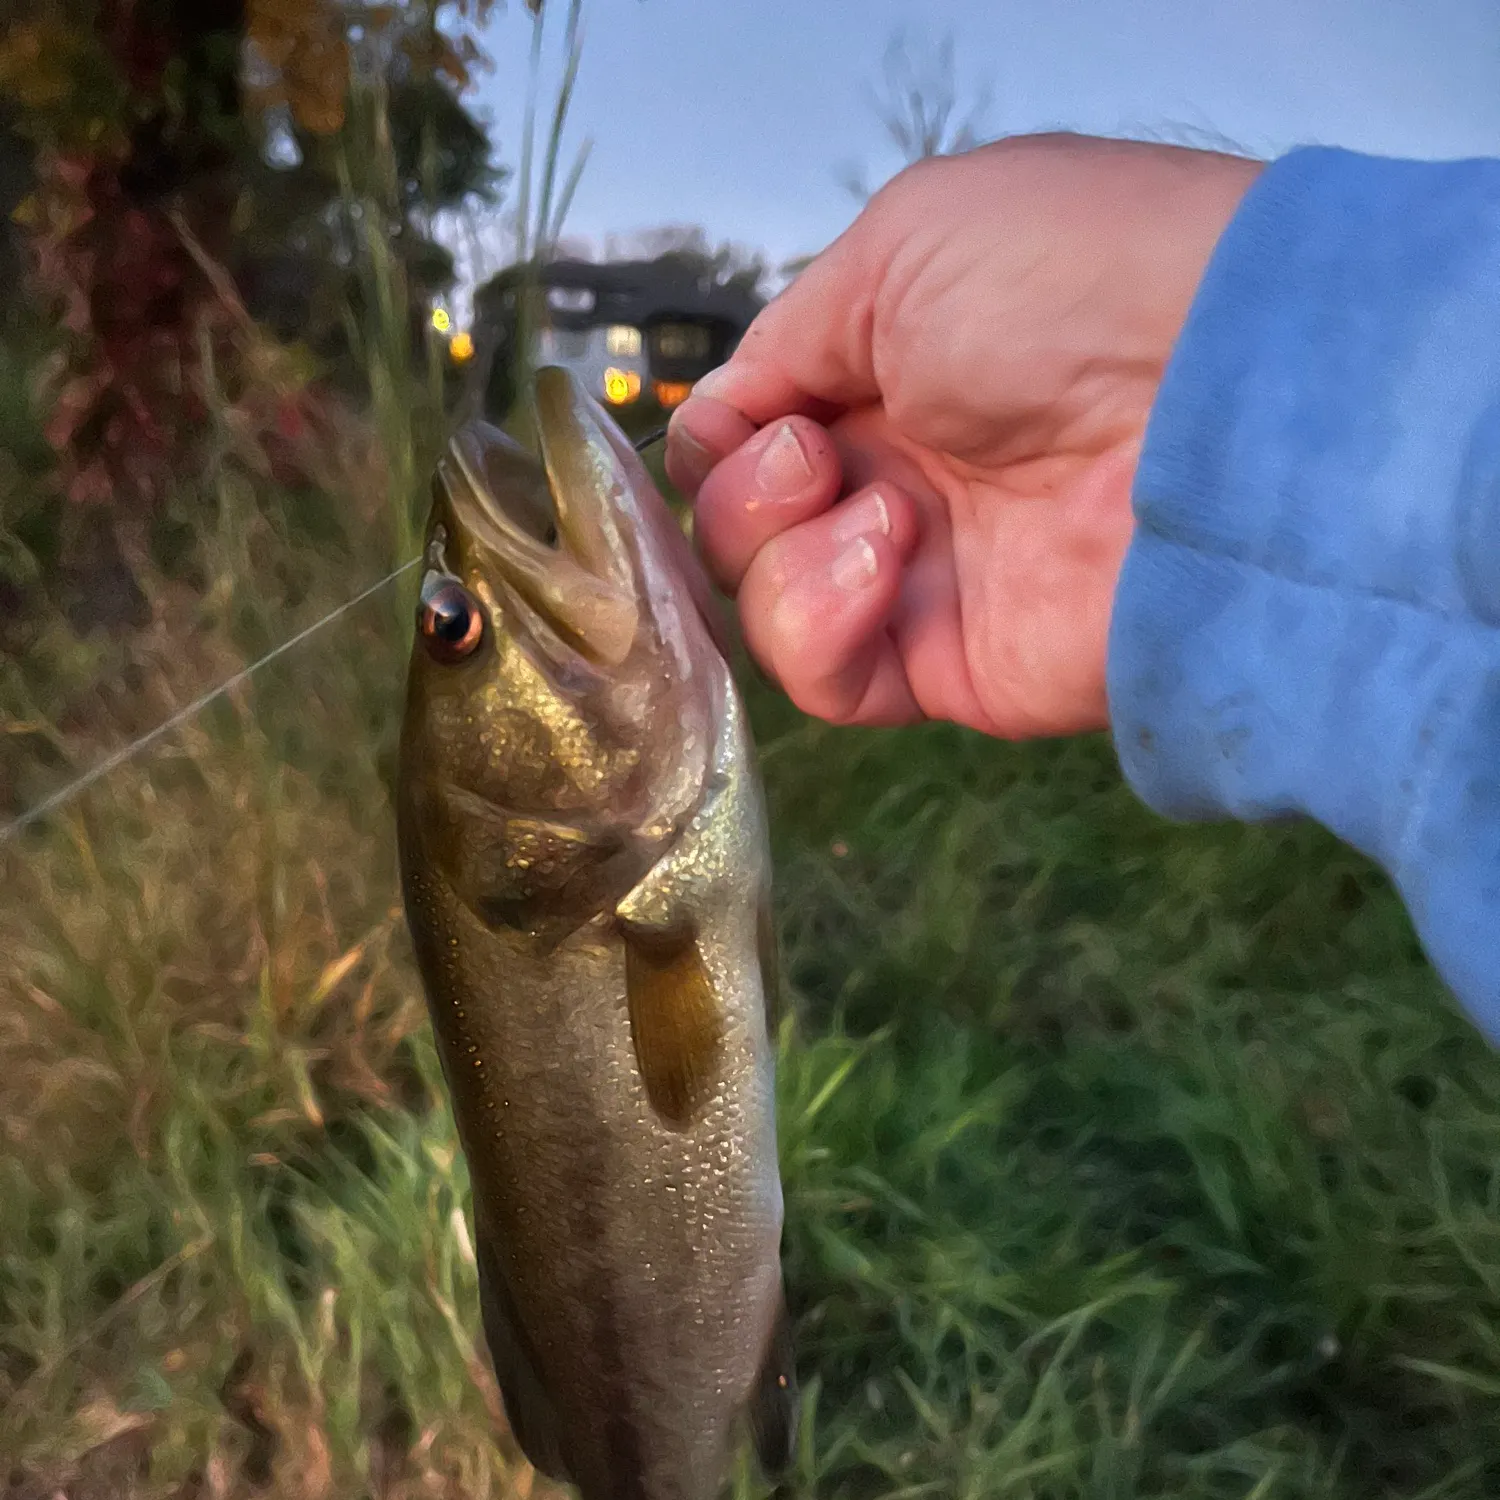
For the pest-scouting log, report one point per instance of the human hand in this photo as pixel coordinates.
(914, 473)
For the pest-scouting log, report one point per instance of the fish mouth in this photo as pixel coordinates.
(552, 536)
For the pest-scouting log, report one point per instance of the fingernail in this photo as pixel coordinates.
(855, 567)
(783, 470)
(861, 518)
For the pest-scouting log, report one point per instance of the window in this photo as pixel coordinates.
(571, 299)
(670, 393)
(682, 341)
(623, 339)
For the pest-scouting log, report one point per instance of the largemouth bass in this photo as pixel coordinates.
(587, 881)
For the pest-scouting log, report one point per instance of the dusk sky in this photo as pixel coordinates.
(740, 116)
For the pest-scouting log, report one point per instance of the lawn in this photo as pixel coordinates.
(1122, 1160)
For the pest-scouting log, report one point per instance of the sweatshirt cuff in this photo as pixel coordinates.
(1306, 621)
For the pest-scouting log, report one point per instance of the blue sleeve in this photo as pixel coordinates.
(1308, 620)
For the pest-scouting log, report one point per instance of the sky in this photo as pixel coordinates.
(742, 116)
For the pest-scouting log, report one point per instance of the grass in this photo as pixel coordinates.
(1122, 1160)
(1164, 1167)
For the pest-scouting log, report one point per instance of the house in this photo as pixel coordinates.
(634, 331)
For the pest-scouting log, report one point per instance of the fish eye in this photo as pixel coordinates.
(450, 620)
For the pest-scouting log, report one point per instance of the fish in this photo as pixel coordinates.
(586, 877)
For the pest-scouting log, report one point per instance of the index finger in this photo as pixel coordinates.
(808, 353)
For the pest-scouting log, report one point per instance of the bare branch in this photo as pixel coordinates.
(920, 106)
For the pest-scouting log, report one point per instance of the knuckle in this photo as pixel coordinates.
(917, 182)
(773, 566)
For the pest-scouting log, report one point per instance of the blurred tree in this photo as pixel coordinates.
(127, 108)
(920, 106)
(442, 154)
(17, 172)
(153, 133)
(301, 217)
(727, 264)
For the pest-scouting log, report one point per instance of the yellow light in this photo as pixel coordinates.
(440, 319)
(461, 348)
(671, 393)
(621, 386)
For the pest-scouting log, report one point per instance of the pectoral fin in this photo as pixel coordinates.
(525, 873)
(773, 1409)
(528, 1408)
(674, 1019)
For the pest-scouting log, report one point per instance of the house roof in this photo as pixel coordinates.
(634, 291)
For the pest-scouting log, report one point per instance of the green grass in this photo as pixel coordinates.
(1121, 1160)
(1165, 1167)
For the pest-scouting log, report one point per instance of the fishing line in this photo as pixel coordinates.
(112, 762)
(71, 789)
